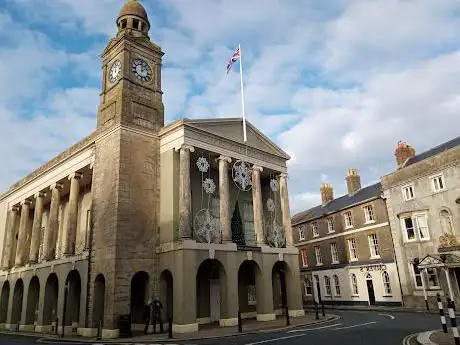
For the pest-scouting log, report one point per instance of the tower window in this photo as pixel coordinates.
(123, 24)
(135, 23)
(142, 26)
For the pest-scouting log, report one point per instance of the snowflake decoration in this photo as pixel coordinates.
(209, 186)
(242, 175)
(275, 235)
(274, 185)
(207, 227)
(270, 205)
(202, 164)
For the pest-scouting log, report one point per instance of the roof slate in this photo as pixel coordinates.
(434, 151)
(337, 204)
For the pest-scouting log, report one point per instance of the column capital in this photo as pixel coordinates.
(15, 208)
(185, 147)
(283, 175)
(25, 202)
(39, 195)
(56, 185)
(224, 158)
(75, 175)
(257, 168)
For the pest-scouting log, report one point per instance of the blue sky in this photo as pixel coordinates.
(335, 83)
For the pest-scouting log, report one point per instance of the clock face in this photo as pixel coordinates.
(142, 70)
(115, 71)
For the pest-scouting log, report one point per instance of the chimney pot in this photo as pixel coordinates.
(403, 152)
(353, 181)
(327, 193)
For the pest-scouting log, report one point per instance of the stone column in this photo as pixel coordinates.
(71, 231)
(36, 228)
(23, 236)
(185, 199)
(51, 233)
(224, 196)
(10, 241)
(285, 209)
(257, 205)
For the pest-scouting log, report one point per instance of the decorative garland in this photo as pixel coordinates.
(275, 234)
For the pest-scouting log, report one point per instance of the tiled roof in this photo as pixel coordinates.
(434, 151)
(337, 204)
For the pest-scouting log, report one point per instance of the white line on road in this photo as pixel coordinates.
(276, 339)
(352, 326)
(312, 329)
(390, 316)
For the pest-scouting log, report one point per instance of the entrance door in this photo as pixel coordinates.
(214, 299)
(370, 290)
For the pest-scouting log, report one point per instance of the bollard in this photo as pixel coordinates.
(441, 313)
(316, 311)
(322, 308)
(426, 304)
(453, 321)
(170, 327)
(288, 322)
(240, 323)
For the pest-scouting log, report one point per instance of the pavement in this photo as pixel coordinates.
(352, 327)
(436, 337)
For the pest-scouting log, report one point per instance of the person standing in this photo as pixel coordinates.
(146, 315)
(157, 307)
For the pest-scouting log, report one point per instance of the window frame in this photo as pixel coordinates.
(409, 186)
(307, 285)
(428, 275)
(354, 284)
(330, 225)
(433, 178)
(367, 218)
(317, 250)
(327, 286)
(301, 232)
(337, 289)
(304, 257)
(334, 254)
(414, 276)
(386, 283)
(345, 218)
(373, 245)
(416, 227)
(350, 240)
(314, 229)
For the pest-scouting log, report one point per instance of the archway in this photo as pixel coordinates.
(32, 301)
(166, 293)
(210, 287)
(51, 299)
(4, 301)
(247, 300)
(279, 273)
(139, 286)
(73, 299)
(99, 300)
(18, 294)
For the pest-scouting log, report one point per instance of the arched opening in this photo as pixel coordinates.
(139, 286)
(99, 300)
(166, 293)
(4, 301)
(247, 300)
(32, 301)
(279, 272)
(18, 294)
(370, 289)
(447, 225)
(51, 299)
(73, 284)
(210, 286)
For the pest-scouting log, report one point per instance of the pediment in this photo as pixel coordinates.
(430, 261)
(232, 129)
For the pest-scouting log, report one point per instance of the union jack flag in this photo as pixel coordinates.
(235, 57)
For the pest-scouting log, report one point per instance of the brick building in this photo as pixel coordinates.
(346, 249)
(423, 201)
(139, 210)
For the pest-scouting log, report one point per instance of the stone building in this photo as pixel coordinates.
(423, 201)
(346, 250)
(187, 212)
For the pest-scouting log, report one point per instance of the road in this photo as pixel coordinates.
(353, 327)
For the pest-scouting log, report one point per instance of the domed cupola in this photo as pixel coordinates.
(133, 19)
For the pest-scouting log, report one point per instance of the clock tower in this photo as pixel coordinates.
(126, 188)
(131, 74)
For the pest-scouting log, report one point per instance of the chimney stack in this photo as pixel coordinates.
(353, 181)
(327, 193)
(403, 152)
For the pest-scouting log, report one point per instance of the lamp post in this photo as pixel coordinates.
(64, 311)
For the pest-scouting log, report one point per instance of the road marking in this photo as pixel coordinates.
(312, 329)
(353, 326)
(276, 339)
(390, 316)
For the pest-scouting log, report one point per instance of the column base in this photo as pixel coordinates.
(2, 326)
(67, 330)
(27, 328)
(87, 332)
(11, 326)
(110, 333)
(188, 328)
(266, 317)
(296, 313)
(43, 328)
(229, 322)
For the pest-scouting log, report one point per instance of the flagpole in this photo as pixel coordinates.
(242, 94)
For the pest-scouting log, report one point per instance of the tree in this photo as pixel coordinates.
(237, 227)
